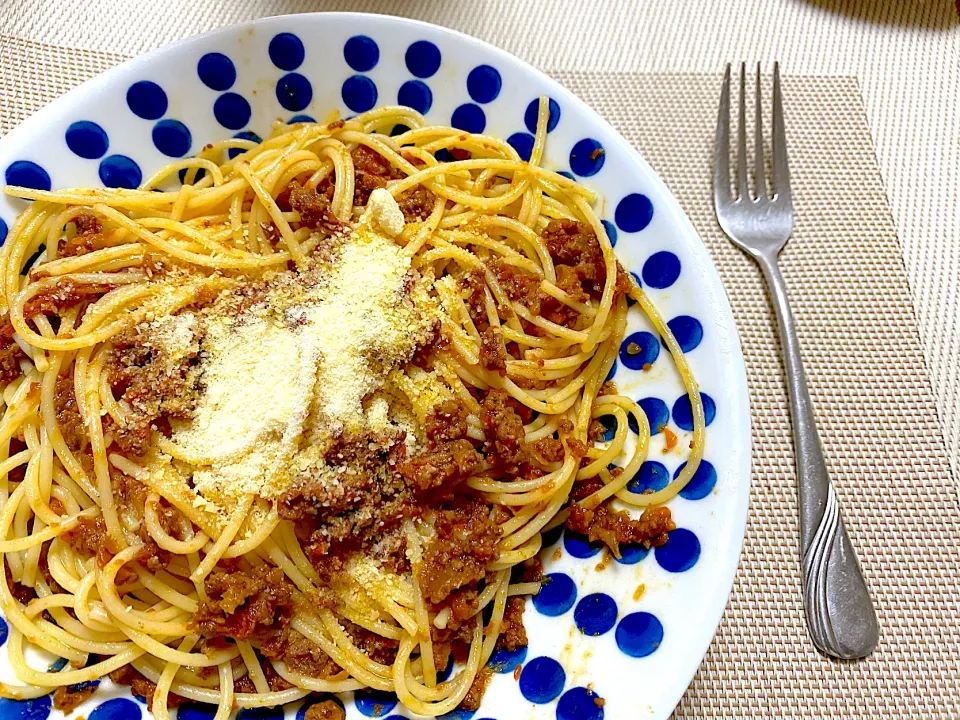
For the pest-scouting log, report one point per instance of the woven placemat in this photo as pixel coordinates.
(868, 380)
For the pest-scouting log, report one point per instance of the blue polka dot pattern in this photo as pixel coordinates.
(147, 100)
(687, 330)
(4, 630)
(587, 157)
(550, 537)
(469, 117)
(196, 711)
(613, 370)
(505, 661)
(217, 71)
(542, 680)
(557, 595)
(578, 545)
(27, 174)
(632, 554)
(680, 553)
(568, 176)
(639, 349)
(197, 174)
(361, 53)
(300, 119)
(359, 93)
(609, 423)
(633, 213)
(683, 413)
(533, 109)
(702, 482)
(484, 83)
(579, 703)
(417, 95)
(87, 139)
(422, 59)
(611, 232)
(172, 138)
(232, 111)
(639, 634)
(302, 712)
(38, 709)
(286, 51)
(595, 614)
(459, 714)
(661, 269)
(294, 91)
(652, 475)
(656, 411)
(374, 703)
(262, 713)
(119, 171)
(3, 236)
(246, 135)
(523, 143)
(116, 709)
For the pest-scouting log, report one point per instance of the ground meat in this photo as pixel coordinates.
(416, 203)
(68, 698)
(447, 421)
(378, 648)
(69, 419)
(242, 604)
(503, 426)
(141, 687)
(90, 537)
(442, 468)
(475, 282)
(64, 294)
(10, 357)
(512, 633)
(574, 244)
(550, 449)
(474, 696)
(371, 171)
(325, 710)
(465, 543)
(616, 527)
(88, 238)
(493, 353)
(313, 207)
(524, 287)
(299, 654)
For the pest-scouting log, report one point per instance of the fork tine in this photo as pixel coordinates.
(759, 169)
(781, 171)
(721, 154)
(742, 184)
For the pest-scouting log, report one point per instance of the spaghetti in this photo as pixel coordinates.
(193, 501)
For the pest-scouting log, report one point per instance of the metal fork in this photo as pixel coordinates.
(840, 616)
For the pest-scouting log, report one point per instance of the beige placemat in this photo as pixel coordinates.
(868, 380)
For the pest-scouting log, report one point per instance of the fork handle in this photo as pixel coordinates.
(840, 616)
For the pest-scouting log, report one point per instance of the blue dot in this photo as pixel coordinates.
(505, 661)
(417, 95)
(702, 482)
(3, 236)
(216, 71)
(680, 553)
(611, 232)
(632, 554)
(469, 117)
(361, 53)
(374, 703)
(260, 713)
(568, 176)
(523, 143)
(595, 614)
(609, 423)
(116, 709)
(661, 269)
(613, 371)
(27, 174)
(687, 330)
(244, 135)
(639, 349)
(359, 93)
(579, 703)
(196, 711)
(4, 630)
(542, 680)
(484, 83)
(423, 58)
(551, 536)
(683, 413)
(633, 213)
(578, 545)
(87, 139)
(458, 714)
(119, 171)
(587, 157)
(38, 709)
(286, 51)
(556, 596)
(652, 475)
(301, 119)
(639, 634)
(172, 138)
(656, 411)
(533, 109)
(232, 111)
(294, 91)
(147, 100)
(302, 712)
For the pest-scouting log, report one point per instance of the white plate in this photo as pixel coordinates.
(592, 632)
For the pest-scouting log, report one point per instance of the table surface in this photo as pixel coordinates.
(905, 55)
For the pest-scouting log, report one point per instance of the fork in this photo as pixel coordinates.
(840, 616)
